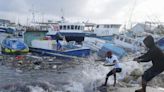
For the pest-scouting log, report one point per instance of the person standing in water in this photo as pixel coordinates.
(113, 61)
(155, 55)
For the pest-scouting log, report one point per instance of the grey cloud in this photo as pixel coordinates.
(17, 6)
(114, 7)
(71, 8)
(53, 7)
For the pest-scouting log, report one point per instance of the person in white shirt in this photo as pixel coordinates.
(112, 61)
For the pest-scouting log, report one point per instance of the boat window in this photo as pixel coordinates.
(117, 37)
(115, 26)
(126, 40)
(72, 27)
(75, 27)
(60, 27)
(68, 27)
(121, 39)
(13, 41)
(64, 27)
(78, 27)
(129, 41)
(97, 26)
(107, 26)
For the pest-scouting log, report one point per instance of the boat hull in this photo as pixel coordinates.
(13, 46)
(12, 51)
(68, 53)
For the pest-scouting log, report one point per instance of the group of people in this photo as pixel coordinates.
(153, 54)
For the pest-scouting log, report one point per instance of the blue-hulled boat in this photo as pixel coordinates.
(120, 52)
(9, 30)
(36, 42)
(14, 46)
(49, 47)
(160, 43)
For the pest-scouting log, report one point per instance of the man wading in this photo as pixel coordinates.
(113, 61)
(155, 55)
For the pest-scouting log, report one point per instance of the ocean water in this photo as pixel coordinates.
(83, 77)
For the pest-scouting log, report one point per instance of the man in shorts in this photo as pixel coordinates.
(155, 55)
(113, 61)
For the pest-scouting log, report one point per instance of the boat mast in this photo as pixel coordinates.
(62, 13)
(131, 14)
(33, 11)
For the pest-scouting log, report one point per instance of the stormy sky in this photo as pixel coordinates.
(97, 11)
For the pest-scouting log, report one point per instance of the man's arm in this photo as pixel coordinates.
(110, 64)
(144, 58)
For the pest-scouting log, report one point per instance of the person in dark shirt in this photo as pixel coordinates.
(59, 46)
(155, 55)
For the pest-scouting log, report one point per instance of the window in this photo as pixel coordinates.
(126, 40)
(115, 26)
(78, 27)
(68, 27)
(64, 27)
(117, 37)
(75, 27)
(60, 27)
(104, 26)
(107, 26)
(97, 26)
(121, 39)
(72, 27)
(130, 41)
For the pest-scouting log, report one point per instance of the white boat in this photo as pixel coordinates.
(95, 44)
(72, 31)
(39, 43)
(128, 42)
(106, 29)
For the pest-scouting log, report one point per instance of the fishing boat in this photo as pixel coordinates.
(13, 46)
(106, 29)
(49, 47)
(9, 30)
(129, 43)
(72, 31)
(36, 42)
(120, 52)
(95, 44)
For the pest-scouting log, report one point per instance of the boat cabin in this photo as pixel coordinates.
(106, 29)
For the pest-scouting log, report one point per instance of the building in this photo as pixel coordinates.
(4, 22)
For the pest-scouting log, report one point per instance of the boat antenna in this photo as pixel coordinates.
(27, 20)
(33, 11)
(131, 13)
(62, 12)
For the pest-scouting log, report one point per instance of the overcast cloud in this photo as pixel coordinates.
(98, 11)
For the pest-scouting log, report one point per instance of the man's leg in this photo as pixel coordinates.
(114, 79)
(144, 84)
(117, 70)
(107, 76)
(147, 76)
